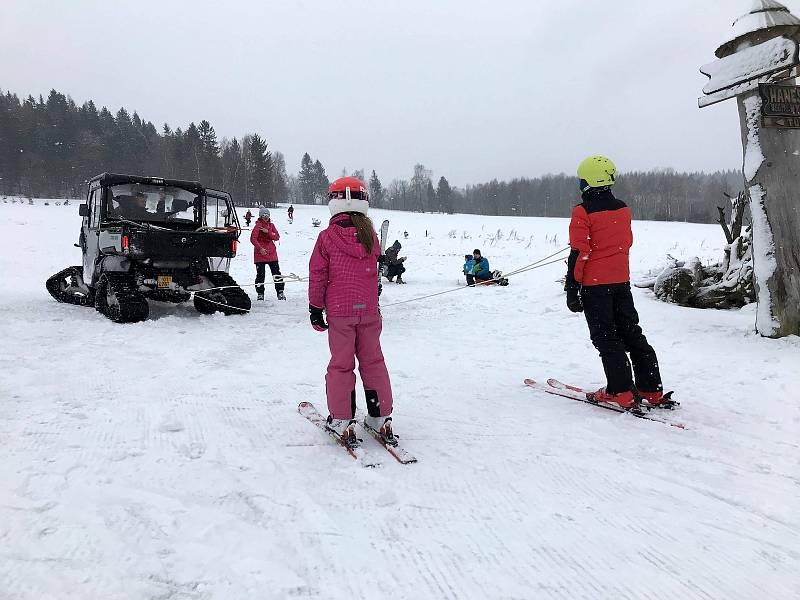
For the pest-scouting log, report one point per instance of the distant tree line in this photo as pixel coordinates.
(49, 147)
(658, 195)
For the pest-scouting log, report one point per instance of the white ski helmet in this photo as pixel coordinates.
(348, 194)
(263, 212)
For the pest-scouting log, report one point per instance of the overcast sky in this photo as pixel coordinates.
(472, 89)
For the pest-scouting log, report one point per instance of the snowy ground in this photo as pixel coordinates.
(166, 459)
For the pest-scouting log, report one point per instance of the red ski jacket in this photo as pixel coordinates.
(600, 237)
(264, 240)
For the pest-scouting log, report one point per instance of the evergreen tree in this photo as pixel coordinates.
(444, 196)
(306, 180)
(321, 183)
(376, 191)
(259, 172)
(210, 165)
(192, 150)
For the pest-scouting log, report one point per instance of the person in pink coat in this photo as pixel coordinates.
(343, 284)
(263, 238)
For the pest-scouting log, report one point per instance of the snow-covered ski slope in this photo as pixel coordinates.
(166, 459)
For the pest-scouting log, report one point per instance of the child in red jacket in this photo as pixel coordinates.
(263, 238)
(598, 283)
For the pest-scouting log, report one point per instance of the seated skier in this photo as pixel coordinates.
(481, 272)
(469, 264)
(394, 263)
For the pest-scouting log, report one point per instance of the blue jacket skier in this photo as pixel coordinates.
(469, 264)
(480, 270)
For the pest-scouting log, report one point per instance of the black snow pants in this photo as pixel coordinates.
(615, 332)
(276, 275)
(395, 270)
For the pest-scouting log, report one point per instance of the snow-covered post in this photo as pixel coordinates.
(762, 51)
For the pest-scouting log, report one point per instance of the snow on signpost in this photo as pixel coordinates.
(747, 67)
(758, 65)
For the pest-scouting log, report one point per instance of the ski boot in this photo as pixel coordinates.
(383, 425)
(281, 296)
(399, 280)
(624, 400)
(346, 430)
(658, 399)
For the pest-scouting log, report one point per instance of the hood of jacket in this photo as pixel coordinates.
(343, 236)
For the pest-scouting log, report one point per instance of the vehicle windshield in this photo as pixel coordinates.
(152, 203)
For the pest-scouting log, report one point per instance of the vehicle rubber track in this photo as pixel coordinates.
(230, 299)
(118, 297)
(67, 286)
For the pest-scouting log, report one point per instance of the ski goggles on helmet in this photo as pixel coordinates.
(349, 194)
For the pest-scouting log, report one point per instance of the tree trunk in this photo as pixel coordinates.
(772, 175)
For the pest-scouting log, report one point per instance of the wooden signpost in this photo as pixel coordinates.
(758, 66)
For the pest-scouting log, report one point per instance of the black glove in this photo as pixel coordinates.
(574, 297)
(317, 319)
(382, 259)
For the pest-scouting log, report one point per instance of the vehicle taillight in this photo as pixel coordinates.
(233, 245)
(125, 242)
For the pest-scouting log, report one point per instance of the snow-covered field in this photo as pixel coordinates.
(166, 459)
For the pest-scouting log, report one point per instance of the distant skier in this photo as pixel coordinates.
(290, 212)
(263, 238)
(342, 274)
(394, 263)
(247, 217)
(598, 283)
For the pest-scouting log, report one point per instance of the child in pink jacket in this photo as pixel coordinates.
(263, 238)
(343, 282)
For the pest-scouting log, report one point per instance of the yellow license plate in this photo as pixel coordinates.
(164, 281)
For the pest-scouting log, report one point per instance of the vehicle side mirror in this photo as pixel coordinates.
(179, 205)
(83, 210)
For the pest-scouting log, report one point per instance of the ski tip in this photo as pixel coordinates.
(304, 405)
(529, 381)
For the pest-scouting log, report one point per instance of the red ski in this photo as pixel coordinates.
(669, 403)
(312, 414)
(574, 393)
(402, 455)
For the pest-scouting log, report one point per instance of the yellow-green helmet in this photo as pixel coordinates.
(596, 172)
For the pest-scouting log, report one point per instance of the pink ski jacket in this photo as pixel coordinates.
(343, 277)
(267, 240)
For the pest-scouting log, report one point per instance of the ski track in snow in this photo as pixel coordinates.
(166, 459)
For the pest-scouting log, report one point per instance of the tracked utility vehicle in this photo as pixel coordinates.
(146, 238)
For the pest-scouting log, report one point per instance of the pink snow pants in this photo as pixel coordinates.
(350, 338)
